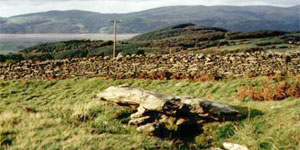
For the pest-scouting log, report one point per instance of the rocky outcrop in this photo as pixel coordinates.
(160, 113)
(158, 67)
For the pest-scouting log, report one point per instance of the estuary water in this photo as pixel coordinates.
(12, 43)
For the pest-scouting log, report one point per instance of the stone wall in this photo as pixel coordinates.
(177, 66)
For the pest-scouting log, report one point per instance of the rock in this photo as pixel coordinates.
(214, 148)
(138, 121)
(148, 100)
(119, 56)
(106, 57)
(217, 108)
(179, 66)
(201, 56)
(172, 112)
(275, 107)
(180, 121)
(150, 128)
(231, 146)
(179, 84)
(140, 111)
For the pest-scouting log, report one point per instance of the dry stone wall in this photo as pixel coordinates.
(176, 66)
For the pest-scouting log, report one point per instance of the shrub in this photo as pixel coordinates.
(3, 58)
(283, 47)
(140, 52)
(278, 91)
(11, 57)
(205, 77)
(42, 57)
(183, 25)
(268, 43)
(107, 43)
(256, 34)
(72, 53)
(72, 45)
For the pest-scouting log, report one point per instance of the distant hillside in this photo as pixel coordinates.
(183, 38)
(56, 22)
(2, 20)
(248, 18)
(178, 31)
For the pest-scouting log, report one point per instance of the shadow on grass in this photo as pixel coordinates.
(247, 113)
(186, 133)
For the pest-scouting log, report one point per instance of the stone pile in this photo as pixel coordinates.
(165, 114)
(176, 66)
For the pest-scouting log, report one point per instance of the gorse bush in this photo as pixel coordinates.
(183, 30)
(11, 57)
(70, 54)
(268, 43)
(256, 34)
(77, 48)
(66, 46)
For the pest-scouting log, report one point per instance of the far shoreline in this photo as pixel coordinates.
(12, 43)
(50, 37)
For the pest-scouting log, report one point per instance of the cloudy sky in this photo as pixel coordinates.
(16, 7)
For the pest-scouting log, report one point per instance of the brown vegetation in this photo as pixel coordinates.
(271, 90)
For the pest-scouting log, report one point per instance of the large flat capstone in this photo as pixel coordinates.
(154, 110)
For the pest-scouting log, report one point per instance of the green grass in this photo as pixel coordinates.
(252, 43)
(236, 47)
(66, 115)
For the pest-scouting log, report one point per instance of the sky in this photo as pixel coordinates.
(16, 7)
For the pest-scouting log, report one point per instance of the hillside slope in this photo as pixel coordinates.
(182, 38)
(65, 115)
(205, 39)
(237, 18)
(56, 22)
(2, 20)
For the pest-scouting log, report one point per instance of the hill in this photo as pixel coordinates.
(68, 48)
(2, 20)
(203, 39)
(188, 30)
(56, 22)
(248, 18)
(175, 39)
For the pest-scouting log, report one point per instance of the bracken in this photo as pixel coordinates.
(276, 91)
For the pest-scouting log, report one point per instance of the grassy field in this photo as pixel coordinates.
(66, 115)
(253, 43)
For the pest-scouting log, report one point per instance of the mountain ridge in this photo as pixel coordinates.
(237, 18)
